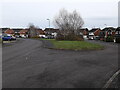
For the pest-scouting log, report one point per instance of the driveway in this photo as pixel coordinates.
(26, 64)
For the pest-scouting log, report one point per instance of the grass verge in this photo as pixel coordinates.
(75, 45)
(0, 40)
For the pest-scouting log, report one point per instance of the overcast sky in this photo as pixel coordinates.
(95, 13)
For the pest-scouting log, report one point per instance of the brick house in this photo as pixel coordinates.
(24, 33)
(97, 33)
(41, 33)
(109, 31)
(17, 31)
(9, 32)
(91, 35)
(4, 29)
(51, 32)
(84, 32)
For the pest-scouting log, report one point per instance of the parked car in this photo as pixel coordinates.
(18, 36)
(8, 38)
(23, 36)
(91, 37)
(13, 38)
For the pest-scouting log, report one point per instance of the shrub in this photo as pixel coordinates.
(101, 39)
(70, 37)
(0, 40)
(35, 37)
(117, 40)
(109, 39)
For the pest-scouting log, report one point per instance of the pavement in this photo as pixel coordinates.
(27, 64)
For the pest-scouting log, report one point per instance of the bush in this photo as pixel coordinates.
(70, 37)
(109, 39)
(0, 40)
(35, 37)
(101, 39)
(117, 39)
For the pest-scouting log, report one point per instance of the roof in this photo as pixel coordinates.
(24, 31)
(96, 33)
(40, 31)
(118, 29)
(4, 29)
(84, 29)
(94, 29)
(17, 29)
(51, 30)
(108, 28)
(9, 31)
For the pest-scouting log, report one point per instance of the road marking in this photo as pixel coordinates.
(111, 79)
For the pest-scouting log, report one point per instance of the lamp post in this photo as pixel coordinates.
(49, 27)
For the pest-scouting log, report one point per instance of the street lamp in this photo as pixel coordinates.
(49, 26)
(49, 22)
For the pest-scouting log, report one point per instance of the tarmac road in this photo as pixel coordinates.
(26, 64)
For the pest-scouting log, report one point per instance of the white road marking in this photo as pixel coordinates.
(111, 79)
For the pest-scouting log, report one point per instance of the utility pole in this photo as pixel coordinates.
(49, 27)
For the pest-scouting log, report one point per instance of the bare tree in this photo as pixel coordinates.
(68, 22)
(32, 30)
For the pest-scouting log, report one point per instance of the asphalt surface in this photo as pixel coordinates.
(26, 64)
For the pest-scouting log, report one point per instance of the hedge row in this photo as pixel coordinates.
(70, 37)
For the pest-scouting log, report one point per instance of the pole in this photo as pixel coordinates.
(49, 27)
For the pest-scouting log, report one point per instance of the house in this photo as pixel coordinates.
(41, 33)
(84, 32)
(117, 35)
(51, 32)
(109, 31)
(102, 35)
(109, 34)
(4, 29)
(24, 33)
(9, 32)
(17, 31)
(91, 34)
(97, 34)
(54, 33)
